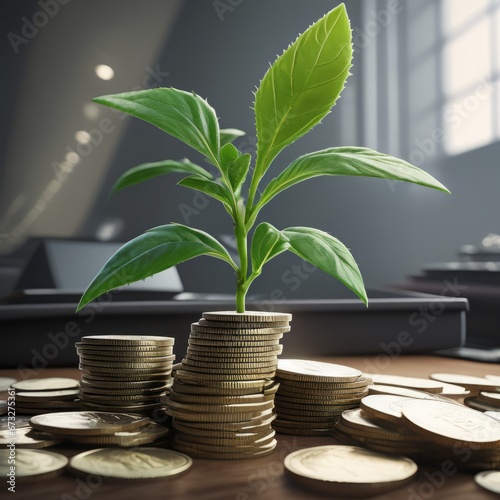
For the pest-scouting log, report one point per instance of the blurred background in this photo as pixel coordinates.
(425, 86)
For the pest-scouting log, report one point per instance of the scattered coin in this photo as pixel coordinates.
(421, 384)
(489, 480)
(33, 464)
(468, 381)
(348, 470)
(308, 370)
(139, 463)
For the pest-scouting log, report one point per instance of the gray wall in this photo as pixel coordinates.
(392, 229)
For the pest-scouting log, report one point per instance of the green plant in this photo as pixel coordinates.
(296, 93)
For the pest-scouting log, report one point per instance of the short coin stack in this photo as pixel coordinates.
(124, 373)
(430, 430)
(312, 395)
(94, 428)
(36, 396)
(222, 398)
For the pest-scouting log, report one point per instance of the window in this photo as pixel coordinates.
(470, 73)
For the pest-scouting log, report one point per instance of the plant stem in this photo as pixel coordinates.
(240, 233)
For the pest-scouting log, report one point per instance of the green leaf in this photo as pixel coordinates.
(303, 84)
(328, 254)
(267, 243)
(183, 115)
(211, 188)
(238, 171)
(152, 252)
(228, 135)
(353, 161)
(147, 171)
(228, 153)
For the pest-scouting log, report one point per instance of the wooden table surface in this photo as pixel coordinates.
(263, 478)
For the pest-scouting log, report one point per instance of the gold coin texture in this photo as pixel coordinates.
(136, 463)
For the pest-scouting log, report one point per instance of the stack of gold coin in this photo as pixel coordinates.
(222, 398)
(99, 428)
(125, 373)
(42, 395)
(429, 430)
(312, 395)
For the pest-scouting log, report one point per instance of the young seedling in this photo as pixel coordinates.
(296, 93)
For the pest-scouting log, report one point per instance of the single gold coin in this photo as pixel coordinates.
(120, 398)
(32, 464)
(385, 407)
(242, 324)
(489, 480)
(308, 370)
(247, 317)
(137, 463)
(448, 424)
(421, 384)
(87, 422)
(40, 396)
(468, 381)
(189, 416)
(127, 340)
(142, 370)
(314, 399)
(348, 470)
(45, 384)
(6, 382)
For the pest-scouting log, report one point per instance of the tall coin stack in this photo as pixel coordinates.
(124, 373)
(312, 395)
(222, 397)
